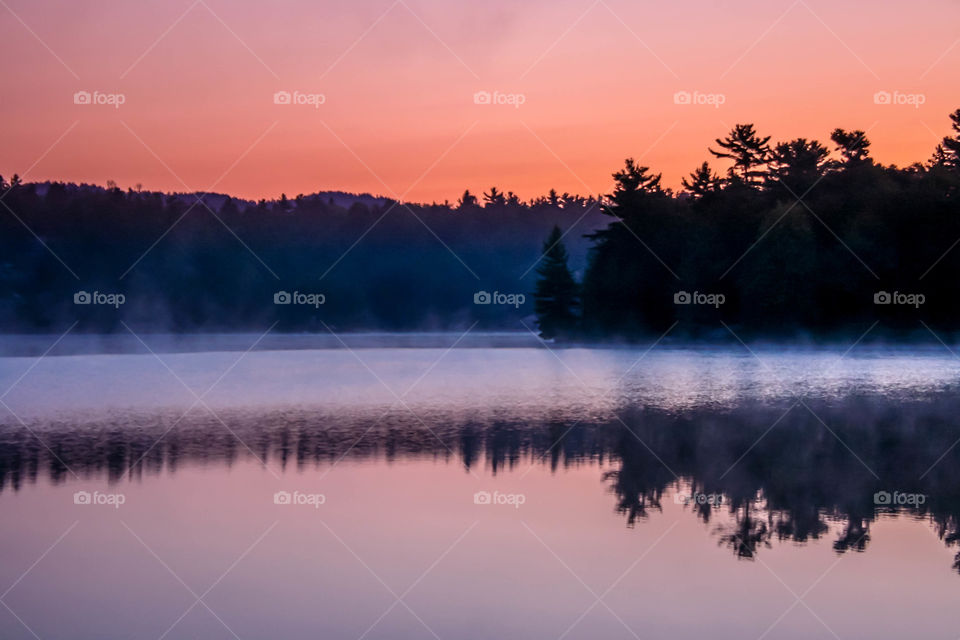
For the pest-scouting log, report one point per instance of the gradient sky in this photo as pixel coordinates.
(598, 79)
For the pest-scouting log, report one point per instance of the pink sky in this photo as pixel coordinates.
(398, 78)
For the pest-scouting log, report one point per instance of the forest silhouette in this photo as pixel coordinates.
(795, 238)
(789, 241)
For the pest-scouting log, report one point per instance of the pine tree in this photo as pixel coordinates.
(467, 200)
(852, 145)
(748, 151)
(556, 298)
(951, 144)
(703, 181)
(553, 198)
(494, 198)
(798, 164)
(633, 185)
(939, 158)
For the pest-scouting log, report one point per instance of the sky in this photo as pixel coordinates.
(421, 99)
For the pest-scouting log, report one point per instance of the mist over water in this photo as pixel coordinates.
(471, 321)
(730, 464)
(448, 373)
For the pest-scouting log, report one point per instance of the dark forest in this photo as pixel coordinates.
(789, 238)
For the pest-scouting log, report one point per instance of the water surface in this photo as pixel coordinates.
(480, 492)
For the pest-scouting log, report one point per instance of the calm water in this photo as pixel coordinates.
(479, 493)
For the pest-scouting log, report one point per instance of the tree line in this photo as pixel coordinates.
(183, 265)
(795, 237)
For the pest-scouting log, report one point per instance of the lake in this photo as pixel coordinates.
(468, 487)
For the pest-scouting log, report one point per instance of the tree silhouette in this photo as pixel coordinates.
(623, 283)
(951, 144)
(939, 157)
(553, 198)
(467, 200)
(703, 181)
(633, 182)
(748, 151)
(556, 297)
(782, 267)
(494, 198)
(852, 145)
(798, 164)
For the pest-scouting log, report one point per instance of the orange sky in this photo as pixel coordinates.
(597, 80)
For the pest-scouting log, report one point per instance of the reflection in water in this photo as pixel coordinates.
(784, 472)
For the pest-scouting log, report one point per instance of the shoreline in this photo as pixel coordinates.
(13, 345)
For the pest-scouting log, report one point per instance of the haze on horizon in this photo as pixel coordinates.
(597, 80)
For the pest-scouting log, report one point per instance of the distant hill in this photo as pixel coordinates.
(216, 200)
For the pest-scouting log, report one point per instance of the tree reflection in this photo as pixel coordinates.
(768, 473)
(748, 534)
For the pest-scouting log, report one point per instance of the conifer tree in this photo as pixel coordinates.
(555, 299)
(748, 151)
(852, 145)
(703, 181)
(951, 144)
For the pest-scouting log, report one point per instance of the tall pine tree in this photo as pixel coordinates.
(749, 152)
(556, 298)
